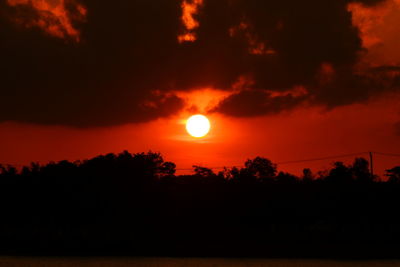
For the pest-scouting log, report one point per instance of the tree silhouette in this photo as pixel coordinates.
(261, 168)
(167, 169)
(203, 171)
(8, 171)
(340, 173)
(307, 175)
(135, 204)
(394, 175)
(286, 178)
(360, 169)
(257, 169)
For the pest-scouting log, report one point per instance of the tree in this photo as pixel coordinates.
(360, 170)
(340, 173)
(393, 174)
(149, 166)
(203, 171)
(231, 174)
(308, 176)
(261, 168)
(167, 169)
(286, 178)
(8, 171)
(257, 169)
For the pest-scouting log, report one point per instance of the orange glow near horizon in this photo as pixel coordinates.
(201, 100)
(303, 134)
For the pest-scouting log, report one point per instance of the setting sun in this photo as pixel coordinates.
(198, 126)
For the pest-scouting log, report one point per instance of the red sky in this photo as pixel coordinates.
(302, 134)
(76, 85)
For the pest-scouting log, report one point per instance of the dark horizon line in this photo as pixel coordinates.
(337, 156)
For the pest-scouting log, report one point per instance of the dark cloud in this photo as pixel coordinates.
(106, 78)
(128, 59)
(316, 46)
(251, 103)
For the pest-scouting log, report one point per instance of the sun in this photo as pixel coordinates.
(198, 126)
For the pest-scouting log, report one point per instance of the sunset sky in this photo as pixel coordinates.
(287, 80)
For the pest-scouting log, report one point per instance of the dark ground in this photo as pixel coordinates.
(133, 205)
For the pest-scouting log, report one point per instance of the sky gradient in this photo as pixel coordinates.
(288, 80)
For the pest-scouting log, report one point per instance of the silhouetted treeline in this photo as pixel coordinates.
(134, 204)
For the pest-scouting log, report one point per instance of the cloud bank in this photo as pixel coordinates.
(91, 63)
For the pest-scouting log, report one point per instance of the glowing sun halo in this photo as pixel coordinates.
(198, 126)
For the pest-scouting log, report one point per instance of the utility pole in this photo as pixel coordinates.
(371, 164)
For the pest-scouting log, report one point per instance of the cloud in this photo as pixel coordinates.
(55, 17)
(316, 45)
(125, 60)
(105, 79)
(378, 31)
(189, 10)
(252, 103)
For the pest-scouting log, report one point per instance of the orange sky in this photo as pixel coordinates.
(306, 131)
(379, 31)
(302, 134)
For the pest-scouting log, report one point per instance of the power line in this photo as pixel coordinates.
(387, 154)
(312, 159)
(190, 169)
(295, 161)
(322, 158)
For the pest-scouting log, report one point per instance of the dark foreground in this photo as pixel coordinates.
(185, 262)
(134, 205)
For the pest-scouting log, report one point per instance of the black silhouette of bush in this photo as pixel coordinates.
(134, 204)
